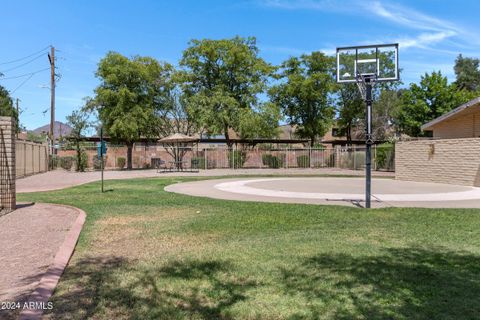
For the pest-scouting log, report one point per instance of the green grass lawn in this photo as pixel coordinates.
(148, 254)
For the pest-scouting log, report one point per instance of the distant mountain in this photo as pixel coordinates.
(59, 129)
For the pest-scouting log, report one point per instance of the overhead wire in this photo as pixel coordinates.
(26, 57)
(21, 84)
(23, 64)
(24, 75)
(37, 55)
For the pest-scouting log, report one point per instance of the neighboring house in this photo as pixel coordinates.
(461, 122)
(334, 135)
(453, 156)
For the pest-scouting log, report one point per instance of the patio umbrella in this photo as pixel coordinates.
(177, 138)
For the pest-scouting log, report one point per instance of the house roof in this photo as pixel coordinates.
(453, 113)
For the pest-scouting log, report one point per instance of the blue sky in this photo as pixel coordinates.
(431, 34)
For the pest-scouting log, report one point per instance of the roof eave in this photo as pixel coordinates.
(429, 125)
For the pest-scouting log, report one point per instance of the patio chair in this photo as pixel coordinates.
(160, 165)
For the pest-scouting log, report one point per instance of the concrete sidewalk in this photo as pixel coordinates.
(31, 237)
(60, 179)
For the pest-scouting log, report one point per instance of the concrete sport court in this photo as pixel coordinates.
(334, 191)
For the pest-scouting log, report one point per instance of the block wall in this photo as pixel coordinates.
(7, 165)
(453, 161)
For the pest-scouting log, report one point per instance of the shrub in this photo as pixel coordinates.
(385, 156)
(121, 161)
(97, 163)
(82, 164)
(272, 161)
(303, 161)
(66, 162)
(237, 158)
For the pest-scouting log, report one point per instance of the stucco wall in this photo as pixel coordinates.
(454, 161)
(466, 126)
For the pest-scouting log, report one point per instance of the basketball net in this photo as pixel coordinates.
(362, 80)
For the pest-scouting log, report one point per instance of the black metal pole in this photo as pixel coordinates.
(101, 153)
(368, 142)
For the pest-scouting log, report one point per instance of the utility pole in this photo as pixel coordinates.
(51, 58)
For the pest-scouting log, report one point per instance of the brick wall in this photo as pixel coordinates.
(453, 161)
(466, 126)
(7, 164)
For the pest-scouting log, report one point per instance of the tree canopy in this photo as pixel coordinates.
(467, 73)
(429, 99)
(222, 79)
(304, 94)
(6, 105)
(130, 92)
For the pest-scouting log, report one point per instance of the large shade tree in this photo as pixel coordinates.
(467, 72)
(304, 94)
(222, 80)
(128, 96)
(429, 99)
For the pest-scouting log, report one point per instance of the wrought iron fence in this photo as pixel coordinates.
(237, 157)
(353, 158)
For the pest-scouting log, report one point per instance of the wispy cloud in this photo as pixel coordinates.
(434, 30)
(408, 17)
(431, 30)
(301, 4)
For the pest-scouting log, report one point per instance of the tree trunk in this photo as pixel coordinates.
(312, 142)
(78, 155)
(349, 134)
(129, 155)
(227, 138)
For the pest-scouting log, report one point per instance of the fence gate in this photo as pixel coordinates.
(7, 165)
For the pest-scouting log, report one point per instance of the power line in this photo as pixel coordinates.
(25, 63)
(24, 75)
(26, 57)
(21, 84)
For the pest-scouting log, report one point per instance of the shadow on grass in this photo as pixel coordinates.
(114, 288)
(408, 283)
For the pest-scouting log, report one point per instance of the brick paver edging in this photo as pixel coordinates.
(50, 279)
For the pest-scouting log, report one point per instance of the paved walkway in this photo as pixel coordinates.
(334, 191)
(30, 237)
(60, 179)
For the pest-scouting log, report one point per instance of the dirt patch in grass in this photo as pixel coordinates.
(146, 236)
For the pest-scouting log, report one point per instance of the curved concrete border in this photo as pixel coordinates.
(50, 279)
(232, 189)
(241, 187)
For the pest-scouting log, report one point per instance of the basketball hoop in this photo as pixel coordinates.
(367, 65)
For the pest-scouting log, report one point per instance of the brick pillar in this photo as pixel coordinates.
(7, 164)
